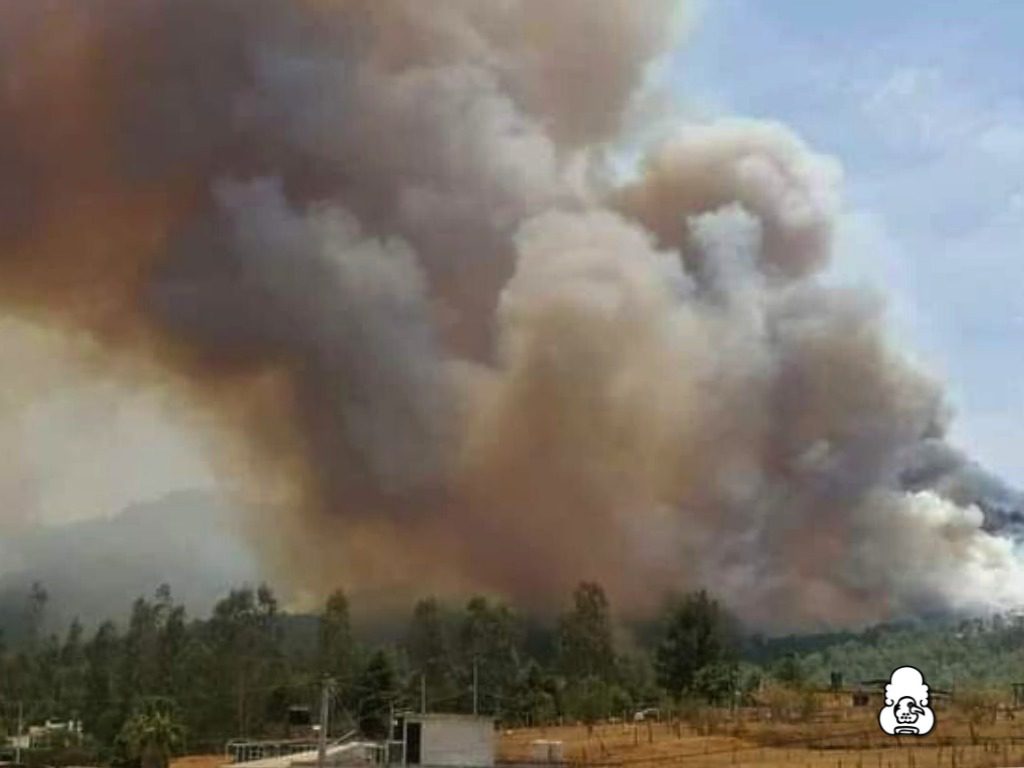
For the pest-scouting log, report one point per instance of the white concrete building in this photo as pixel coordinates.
(460, 741)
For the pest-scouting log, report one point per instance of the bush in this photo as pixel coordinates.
(61, 756)
(789, 704)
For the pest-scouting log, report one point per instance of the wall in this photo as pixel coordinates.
(458, 741)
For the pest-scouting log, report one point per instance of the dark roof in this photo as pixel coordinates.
(416, 716)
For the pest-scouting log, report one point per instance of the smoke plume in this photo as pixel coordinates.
(378, 252)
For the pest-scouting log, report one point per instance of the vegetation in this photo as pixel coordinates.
(151, 735)
(162, 682)
(697, 656)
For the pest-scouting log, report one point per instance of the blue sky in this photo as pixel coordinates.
(923, 103)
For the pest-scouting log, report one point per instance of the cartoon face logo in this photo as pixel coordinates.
(906, 709)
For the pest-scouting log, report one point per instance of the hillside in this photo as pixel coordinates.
(96, 568)
(979, 651)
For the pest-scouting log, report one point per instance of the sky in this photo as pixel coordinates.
(922, 102)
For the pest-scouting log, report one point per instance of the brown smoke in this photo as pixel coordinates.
(381, 244)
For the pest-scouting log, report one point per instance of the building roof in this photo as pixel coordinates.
(334, 754)
(411, 716)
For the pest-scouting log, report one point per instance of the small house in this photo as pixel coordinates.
(467, 741)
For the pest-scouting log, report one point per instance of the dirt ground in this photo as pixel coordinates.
(199, 761)
(837, 739)
(843, 740)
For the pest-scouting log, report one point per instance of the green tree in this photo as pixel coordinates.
(490, 638)
(203, 688)
(139, 674)
(377, 689)
(151, 735)
(638, 679)
(244, 640)
(335, 647)
(103, 710)
(172, 638)
(533, 699)
(151, 647)
(698, 637)
(429, 649)
(46, 670)
(717, 682)
(71, 677)
(589, 699)
(585, 646)
(789, 671)
(38, 598)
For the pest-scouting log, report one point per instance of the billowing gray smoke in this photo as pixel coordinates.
(380, 243)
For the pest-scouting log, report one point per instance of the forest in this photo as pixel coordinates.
(238, 672)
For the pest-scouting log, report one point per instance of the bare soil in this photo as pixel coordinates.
(836, 739)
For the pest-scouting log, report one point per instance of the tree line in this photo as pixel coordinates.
(240, 671)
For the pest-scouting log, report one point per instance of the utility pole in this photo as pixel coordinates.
(475, 688)
(391, 733)
(17, 743)
(326, 688)
(423, 693)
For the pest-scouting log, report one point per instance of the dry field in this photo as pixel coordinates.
(199, 761)
(848, 739)
(840, 738)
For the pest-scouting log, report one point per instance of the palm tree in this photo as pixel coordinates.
(151, 735)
